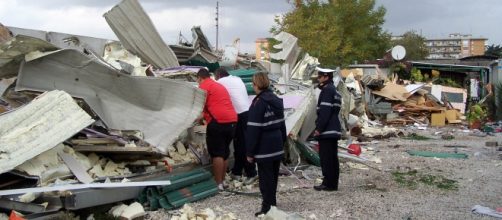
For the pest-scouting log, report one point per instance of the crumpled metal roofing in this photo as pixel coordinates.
(160, 108)
(305, 68)
(65, 40)
(28, 131)
(137, 34)
(200, 40)
(12, 53)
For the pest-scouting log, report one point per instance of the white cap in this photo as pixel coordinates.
(324, 70)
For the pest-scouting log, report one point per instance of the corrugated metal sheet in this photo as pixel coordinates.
(12, 53)
(183, 53)
(136, 32)
(64, 40)
(160, 108)
(200, 40)
(39, 126)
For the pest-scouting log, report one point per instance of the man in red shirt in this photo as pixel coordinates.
(221, 120)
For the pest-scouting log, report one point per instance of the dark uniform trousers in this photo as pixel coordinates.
(240, 148)
(328, 152)
(268, 174)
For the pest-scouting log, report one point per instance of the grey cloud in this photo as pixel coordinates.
(437, 19)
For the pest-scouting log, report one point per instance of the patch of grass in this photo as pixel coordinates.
(406, 179)
(414, 136)
(411, 179)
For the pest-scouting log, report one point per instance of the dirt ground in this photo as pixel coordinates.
(408, 187)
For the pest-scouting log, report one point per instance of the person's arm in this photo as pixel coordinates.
(325, 110)
(254, 126)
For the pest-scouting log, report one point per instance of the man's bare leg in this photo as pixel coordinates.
(218, 169)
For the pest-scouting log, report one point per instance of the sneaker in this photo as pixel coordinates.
(235, 177)
(222, 187)
(250, 180)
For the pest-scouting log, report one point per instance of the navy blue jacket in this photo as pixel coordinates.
(266, 130)
(328, 109)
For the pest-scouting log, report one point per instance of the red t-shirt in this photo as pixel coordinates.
(218, 103)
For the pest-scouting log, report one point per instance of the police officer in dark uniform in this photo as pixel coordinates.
(328, 130)
(266, 135)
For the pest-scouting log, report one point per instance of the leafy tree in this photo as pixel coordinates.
(416, 75)
(414, 44)
(338, 32)
(493, 50)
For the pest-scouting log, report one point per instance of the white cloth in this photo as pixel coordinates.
(486, 211)
(238, 92)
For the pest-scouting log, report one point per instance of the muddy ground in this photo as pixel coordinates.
(407, 187)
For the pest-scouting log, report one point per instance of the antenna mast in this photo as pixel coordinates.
(217, 13)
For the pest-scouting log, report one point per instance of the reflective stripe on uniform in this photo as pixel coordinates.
(332, 132)
(269, 155)
(266, 123)
(329, 104)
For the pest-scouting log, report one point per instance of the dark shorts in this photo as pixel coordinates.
(218, 138)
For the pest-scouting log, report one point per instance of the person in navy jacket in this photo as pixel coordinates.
(266, 135)
(328, 130)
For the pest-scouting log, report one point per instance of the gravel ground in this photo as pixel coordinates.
(372, 194)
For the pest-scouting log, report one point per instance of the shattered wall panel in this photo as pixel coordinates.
(289, 49)
(39, 126)
(136, 32)
(160, 108)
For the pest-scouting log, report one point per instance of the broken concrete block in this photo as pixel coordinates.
(110, 168)
(181, 148)
(97, 171)
(133, 211)
(28, 197)
(117, 210)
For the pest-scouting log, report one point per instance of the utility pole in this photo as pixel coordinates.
(217, 13)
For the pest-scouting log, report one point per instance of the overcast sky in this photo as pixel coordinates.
(249, 20)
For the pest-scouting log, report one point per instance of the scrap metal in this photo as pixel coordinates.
(161, 108)
(137, 34)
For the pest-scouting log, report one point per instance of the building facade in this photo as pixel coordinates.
(262, 49)
(455, 46)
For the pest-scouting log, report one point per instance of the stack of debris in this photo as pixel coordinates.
(82, 115)
(396, 104)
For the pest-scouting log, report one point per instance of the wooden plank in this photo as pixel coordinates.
(76, 168)
(116, 149)
(93, 141)
(438, 119)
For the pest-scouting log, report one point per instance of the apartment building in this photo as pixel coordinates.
(262, 49)
(455, 46)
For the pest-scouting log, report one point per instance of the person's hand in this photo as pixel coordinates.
(200, 120)
(250, 159)
(316, 133)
